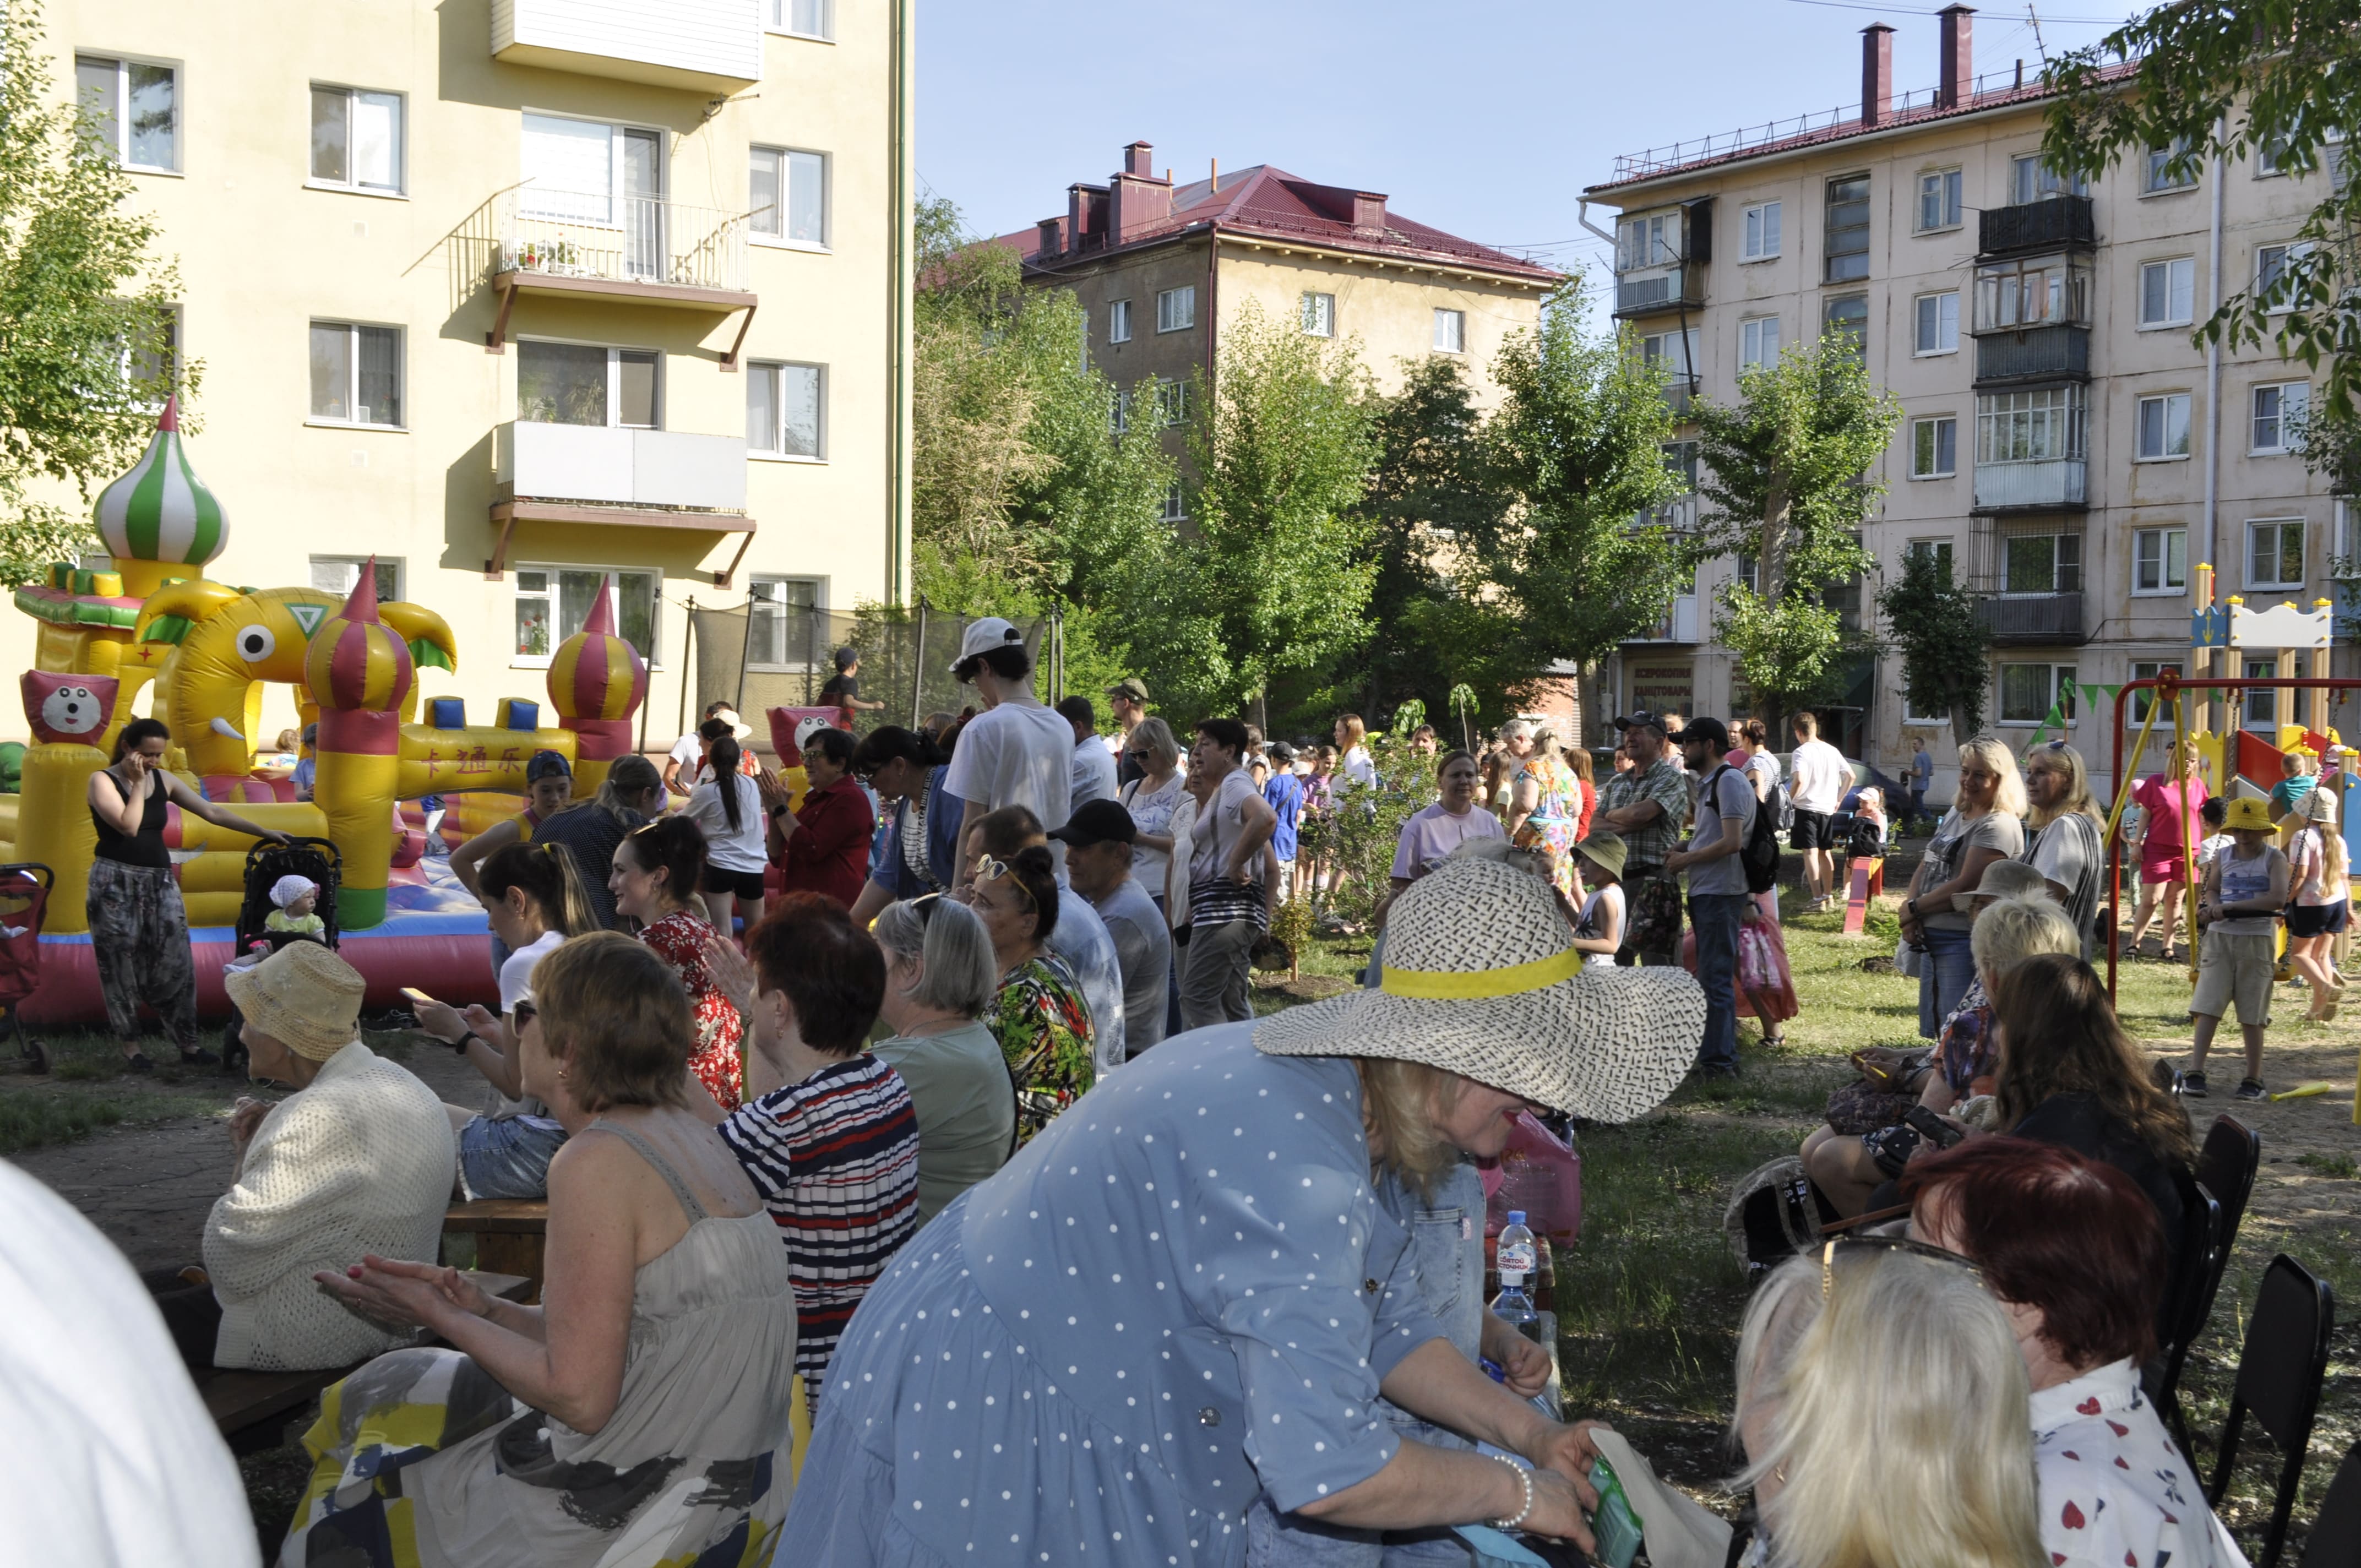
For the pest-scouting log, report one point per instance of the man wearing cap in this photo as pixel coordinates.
(1094, 775)
(1098, 839)
(358, 1160)
(1647, 806)
(1719, 896)
(1127, 700)
(1015, 752)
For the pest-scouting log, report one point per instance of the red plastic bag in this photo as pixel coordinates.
(1764, 986)
(1541, 1176)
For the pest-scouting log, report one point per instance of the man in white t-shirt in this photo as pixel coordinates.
(1095, 773)
(1819, 776)
(685, 768)
(1017, 752)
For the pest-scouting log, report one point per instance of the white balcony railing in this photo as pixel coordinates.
(1678, 626)
(2054, 482)
(620, 466)
(622, 239)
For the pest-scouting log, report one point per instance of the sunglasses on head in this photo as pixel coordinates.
(988, 869)
(523, 1013)
(1888, 1244)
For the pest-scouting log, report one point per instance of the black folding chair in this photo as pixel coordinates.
(2188, 1301)
(2335, 1540)
(2232, 1152)
(2279, 1373)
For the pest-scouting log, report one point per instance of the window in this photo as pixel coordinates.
(1176, 507)
(2279, 408)
(552, 603)
(356, 374)
(135, 109)
(1450, 331)
(2029, 694)
(2044, 291)
(784, 627)
(153, 367)
(2148, 670)
(804, 18)
(337, 574)
(585, 171)
(2275, 553)
(1176, 309)
(2041, 563)
(2164, 427)
(787, 193)
(787, 411)
(1652, 241)
(1939, 548)
(2263, 702)
(1758, 341)
(356, 139)
(1672, 355)
(2160, 561)
(2030, 180)
(1119, 321)
(575, 383)
(1938, 322)
(2271, 158)
(1848, 229)
(1933, 447)
(2270, 267)
(1119, 410)
(2158, 176)
(1319, 314)
(1761, 242)
(2168, 292)
(1849, 314)
(1938, 201)
(1172, 403)
(2042, 426)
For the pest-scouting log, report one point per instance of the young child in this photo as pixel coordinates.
(2214, 809)
(298, 901)
(1599, 862)
(2238, 910)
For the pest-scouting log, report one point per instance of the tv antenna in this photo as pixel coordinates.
(2035, 17)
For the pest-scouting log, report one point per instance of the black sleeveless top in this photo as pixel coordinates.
(145, 848)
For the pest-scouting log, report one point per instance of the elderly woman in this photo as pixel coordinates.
(1980, 827)
(1550, 803)
(2066, 824)
(1038, 1013)
(940, 975)
(1215, 1221)
(2077, 1259)
(639, 1413)
(822, 845)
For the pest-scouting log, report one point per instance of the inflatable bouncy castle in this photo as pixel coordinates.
(203, 651)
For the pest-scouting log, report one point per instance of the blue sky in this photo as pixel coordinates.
(1484, 117)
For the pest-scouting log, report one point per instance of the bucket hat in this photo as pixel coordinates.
(2248, 814)
(1481, 980)
(1606, 849)
(303, 996)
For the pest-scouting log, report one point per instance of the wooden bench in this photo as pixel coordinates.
(509, 1233)
(251, 1408)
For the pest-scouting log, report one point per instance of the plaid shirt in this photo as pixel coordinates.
(1666, 784)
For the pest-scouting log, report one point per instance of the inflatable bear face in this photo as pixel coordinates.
(68, 710)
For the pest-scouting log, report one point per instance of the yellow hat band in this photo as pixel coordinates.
(1468, 985)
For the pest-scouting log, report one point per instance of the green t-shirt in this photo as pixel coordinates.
(967, 1111)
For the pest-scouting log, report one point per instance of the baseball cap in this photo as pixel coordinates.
(1712, 731)
(547, 765)
(1131, 686)
(1098, 822)
(1639, 719)
(1280, 751)
(983, 636)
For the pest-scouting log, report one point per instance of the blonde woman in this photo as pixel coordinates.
(2170, 804)
(2317, 871)
(1980, 827)
(1885, 1410)
(2066, 827)
(1549, 803)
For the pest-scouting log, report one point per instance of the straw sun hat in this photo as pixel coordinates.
(1480, 980)
(303, 996)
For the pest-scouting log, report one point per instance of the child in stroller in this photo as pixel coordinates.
(290, 896)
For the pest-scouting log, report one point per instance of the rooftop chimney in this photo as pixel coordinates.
(1052, 232)
(1877, 74)
(1086, 217)
(1959, 67)
(1369, 213)
(1135, 160)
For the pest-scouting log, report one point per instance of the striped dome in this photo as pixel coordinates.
(160, 510)
(357, 663)
(596, 673)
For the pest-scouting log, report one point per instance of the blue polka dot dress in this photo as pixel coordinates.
(1182, 1295)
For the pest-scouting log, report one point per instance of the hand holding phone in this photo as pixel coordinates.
(413, 995)
(1933, 1128)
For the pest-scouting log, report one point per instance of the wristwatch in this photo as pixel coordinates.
(459, 1045)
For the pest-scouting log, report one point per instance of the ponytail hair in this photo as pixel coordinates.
(674, 846)
(633, 774)
(892, 744)
(546, 872)
(723, 757)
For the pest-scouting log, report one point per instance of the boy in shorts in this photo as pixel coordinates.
(2245, 890)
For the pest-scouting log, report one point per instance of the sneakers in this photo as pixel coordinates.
(2251, 1088)
(2193, 1085)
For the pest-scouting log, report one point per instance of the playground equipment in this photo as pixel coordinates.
(206, 649)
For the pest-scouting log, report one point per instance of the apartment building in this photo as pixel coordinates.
(2063, 445)
(511, 294)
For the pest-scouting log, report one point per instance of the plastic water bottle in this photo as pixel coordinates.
(1516, 1254)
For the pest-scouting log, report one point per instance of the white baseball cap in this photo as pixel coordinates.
(983, 636)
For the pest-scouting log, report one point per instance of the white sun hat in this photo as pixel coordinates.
(1480, 979)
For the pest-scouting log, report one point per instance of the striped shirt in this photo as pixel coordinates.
(836, 1158)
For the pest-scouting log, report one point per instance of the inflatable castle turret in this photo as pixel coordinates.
(360, 671)
(596, 681)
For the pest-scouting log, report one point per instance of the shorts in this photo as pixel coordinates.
(508, 1156)
(2316, 919)
(747, 886)
(1812, 830)
(2165, 866)
(2235, 969)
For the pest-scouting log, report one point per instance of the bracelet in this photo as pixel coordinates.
(459, 1045)
(1525, 1479)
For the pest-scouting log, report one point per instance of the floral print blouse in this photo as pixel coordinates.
(680, 939)
(1043, 1024)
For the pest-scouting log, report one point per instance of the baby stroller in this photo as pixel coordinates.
(24, 902)
(314, 859)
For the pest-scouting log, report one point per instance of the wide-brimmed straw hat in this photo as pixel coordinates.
(1480, 980)
(303, 996)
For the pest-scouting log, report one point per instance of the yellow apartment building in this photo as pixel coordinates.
(509, 294)
(2062, 444)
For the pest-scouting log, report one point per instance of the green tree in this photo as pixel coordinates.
(85, 345)
(1943, 645)
(1575, 563)
(1784, 478)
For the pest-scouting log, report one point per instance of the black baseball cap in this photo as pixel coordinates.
(1639, 719)
(1712, 731)
(1098, 822)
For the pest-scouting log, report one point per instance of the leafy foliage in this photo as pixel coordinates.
(80, 297)
(1362, 828)
(1934, 624)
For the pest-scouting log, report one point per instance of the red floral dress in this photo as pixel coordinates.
(680, 939)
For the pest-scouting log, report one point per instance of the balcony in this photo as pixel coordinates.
(1659, 288)
(2047, 620)
(613, 476)
(2049, 485)
(703, 46)
(2036, 354)
(1679, 625)
(2050, 224)
(642, 249)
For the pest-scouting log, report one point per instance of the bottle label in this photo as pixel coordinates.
(1512, 1279)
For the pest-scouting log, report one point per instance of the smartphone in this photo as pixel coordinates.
(1932, 1126)
(413, 995)
(1616, 1525)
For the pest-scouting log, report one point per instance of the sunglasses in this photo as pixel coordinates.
(523, 1013)
(987, 869)
(1888, 1243)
